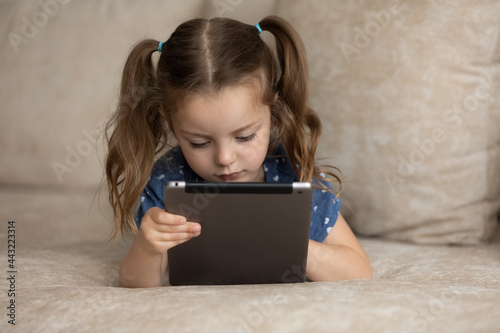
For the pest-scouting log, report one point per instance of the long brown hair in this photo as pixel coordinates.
(204, 56)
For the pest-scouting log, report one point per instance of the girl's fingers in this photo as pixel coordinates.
(189, 227)
(166, 222)
(169, 240)
(160, 216)
(180, 236)
(163, 230)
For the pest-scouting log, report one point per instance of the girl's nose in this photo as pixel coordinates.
(225, 156)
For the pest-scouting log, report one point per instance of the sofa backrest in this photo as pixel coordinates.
(408, 92)
(409, 95)
(61, 68)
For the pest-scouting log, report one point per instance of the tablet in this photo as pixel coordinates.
(251, 232)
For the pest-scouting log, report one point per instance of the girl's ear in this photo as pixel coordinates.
(274, 110)
(166, 116)
(273, 134)
(162, 113)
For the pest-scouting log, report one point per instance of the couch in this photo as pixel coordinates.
(409, 95)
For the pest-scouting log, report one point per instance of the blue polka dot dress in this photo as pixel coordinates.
(277, 169)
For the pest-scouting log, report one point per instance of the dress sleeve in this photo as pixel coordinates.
(169, 167)
(152, 196)
(324, 214)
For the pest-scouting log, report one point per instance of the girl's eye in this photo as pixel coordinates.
(246, 138)
(198, 145)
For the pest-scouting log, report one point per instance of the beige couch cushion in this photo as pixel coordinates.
(60, 80)
(409, 92)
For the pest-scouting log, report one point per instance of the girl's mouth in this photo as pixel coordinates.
(229, 176)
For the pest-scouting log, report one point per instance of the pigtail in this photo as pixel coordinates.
(134, 134)
(298, 125)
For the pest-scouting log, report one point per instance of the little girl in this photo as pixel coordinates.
(236, 113)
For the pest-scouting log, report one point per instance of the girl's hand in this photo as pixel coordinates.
(160, 231)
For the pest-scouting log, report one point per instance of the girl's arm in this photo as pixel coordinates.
(145, 263)
(339, 257)
(139, 268)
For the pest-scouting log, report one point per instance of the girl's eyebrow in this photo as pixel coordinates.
(246, 126)
(253, 123)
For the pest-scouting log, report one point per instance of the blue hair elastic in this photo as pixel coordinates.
(258, 27)
(159, 46)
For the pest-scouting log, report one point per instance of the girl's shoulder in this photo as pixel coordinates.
(277, 167)
(170, 166)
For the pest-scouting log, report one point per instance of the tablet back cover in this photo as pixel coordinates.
(251, 232)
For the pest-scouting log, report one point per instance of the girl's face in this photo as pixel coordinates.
(225, 137)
